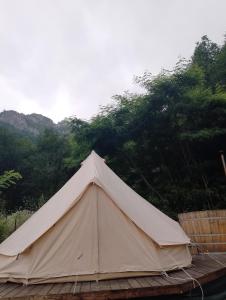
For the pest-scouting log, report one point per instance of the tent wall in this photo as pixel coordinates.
(94, 240)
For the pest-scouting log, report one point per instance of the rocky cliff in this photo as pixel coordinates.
(32, 124)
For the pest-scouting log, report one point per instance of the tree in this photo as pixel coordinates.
(205, 56)
(9, 178)
(220, 67)
(44, 169)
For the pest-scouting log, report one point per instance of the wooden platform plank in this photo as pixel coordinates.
(171, 280)
(181, 277)
(55, 289)
(26, 290)
(114, 284)
(8, 289)
(15, 292)
(44, 289)
(209, 264)
(103, 285)
(134, 283)
(124, 284)
(76, 287)
(2, 286)
(144, 282)
(66, 288)
(29, 290)
(197, 272)
(201, 265)
(162, 281)
(94, 286)
(152, 282)
(85, 287)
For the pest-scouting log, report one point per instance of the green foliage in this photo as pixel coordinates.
(8, 178)
(10, 223)
(205, 56)
(164, 143)
(220, 68)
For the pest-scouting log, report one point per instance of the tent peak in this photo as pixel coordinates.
(92, 158)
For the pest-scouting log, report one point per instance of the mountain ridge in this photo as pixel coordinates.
(32, 124)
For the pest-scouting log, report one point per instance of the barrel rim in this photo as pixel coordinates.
(200, 211)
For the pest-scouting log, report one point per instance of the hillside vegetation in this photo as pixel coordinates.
(164, 143)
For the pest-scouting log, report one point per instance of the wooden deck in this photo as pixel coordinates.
(204, 269)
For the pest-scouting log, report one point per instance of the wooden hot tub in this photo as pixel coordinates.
(206, 229)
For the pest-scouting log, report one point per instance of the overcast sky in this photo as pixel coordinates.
(67, 57)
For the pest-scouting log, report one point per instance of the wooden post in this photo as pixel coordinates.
(223, 161)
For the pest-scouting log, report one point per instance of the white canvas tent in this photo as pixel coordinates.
(95, 227)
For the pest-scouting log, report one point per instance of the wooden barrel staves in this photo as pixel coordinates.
(206, 229)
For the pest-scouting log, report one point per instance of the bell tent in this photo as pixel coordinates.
(95, 227)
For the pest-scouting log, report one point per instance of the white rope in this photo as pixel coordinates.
(207, 253)
(195, 280)
(216, 260)
(26, 282)
(75, 284)
(184, 279)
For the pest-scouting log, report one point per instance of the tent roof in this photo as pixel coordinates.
(162, 229)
